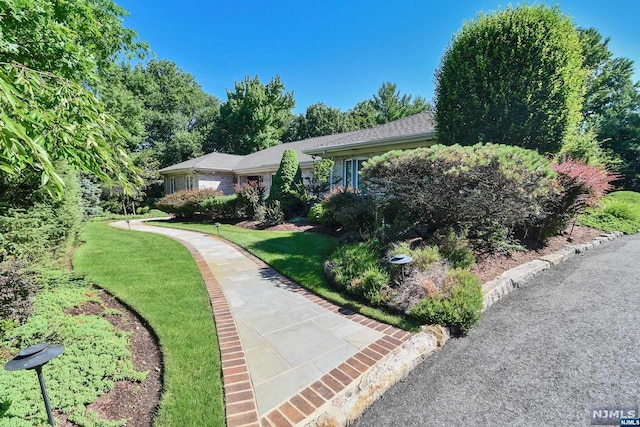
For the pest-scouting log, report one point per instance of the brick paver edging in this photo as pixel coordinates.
(239, 398)
(310, 399)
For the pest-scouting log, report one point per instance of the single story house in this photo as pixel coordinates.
(349, 150)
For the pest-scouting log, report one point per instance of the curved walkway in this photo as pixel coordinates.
(285, 351)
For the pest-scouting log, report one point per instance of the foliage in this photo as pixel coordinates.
(389, 105)
(175, 109)
(270, 213)
(454, 247)
(17, 290)
(287, 188)
(46, 118)
(70, 39)
(618, 211)
(185, 203)
(318, 120)
(347, 208)
(612, 104)
(298, 256)
(479, 188)
(319, 182)
(220, 207)
(254, 117)
(317, 213)
(385, 106)
(460, 307)
(356, 269)
(584, 146)
(169, 296)
(90, 193)
(95, 357)
(251, 197)
(32, 226)
(511, 77)
(582, 185)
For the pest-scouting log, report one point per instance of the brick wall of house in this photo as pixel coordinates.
(223, 182)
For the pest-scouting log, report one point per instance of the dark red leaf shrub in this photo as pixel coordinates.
(185, 203)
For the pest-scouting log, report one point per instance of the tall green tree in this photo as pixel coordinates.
(318, 120)
(385, 106)
(512, 77)
(612, 104)
(390, 105)
(254, 117)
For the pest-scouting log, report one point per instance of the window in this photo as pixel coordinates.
(171, 185)
(351, 172)
(188, 182)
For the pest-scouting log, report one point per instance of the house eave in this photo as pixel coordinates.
(384, 144)
(269, 168)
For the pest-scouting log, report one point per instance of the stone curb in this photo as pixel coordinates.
(351, 402)
(498, 288)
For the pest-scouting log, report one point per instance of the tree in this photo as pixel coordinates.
(319, 120)
(175, 110)
(612, 104)
(287, 183)
(48, 113)
(254, 117)
(389, 105)
(512, 77)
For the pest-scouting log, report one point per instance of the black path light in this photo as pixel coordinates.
(217, 224)
(401, 260)
(33, 358)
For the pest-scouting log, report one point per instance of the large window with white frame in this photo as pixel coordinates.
(189, 182)
(171, 185)
(351, 171)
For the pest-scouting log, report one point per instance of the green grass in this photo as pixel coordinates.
(160, 280)
(619, 211)
(153, 213)
(300, 257)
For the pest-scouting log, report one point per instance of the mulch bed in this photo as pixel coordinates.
(136, 401)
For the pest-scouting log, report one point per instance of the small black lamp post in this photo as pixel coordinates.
(33, 358)
(128, 224)
(217, 224)
(401, 260)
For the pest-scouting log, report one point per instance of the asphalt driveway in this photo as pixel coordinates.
(544, 356)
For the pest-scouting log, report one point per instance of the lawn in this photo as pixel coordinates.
(618, 211)
(298, 255)
(160, 280)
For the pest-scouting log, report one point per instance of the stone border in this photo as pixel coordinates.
(498, 288)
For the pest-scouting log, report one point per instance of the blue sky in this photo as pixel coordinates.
(336, 52)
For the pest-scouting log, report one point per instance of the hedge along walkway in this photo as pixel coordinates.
(285, 352)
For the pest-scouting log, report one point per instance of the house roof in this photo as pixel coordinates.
(417, 128)
(212, 161)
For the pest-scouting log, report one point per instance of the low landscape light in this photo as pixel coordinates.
(401, 260)
(35, 357)
(217, 224)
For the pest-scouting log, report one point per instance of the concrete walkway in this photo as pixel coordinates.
(285, 351)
